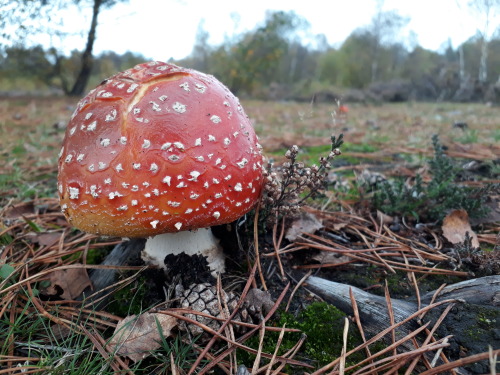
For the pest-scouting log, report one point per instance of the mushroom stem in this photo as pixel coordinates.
(200, 241)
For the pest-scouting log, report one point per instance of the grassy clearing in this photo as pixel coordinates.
(387, 125)
(44, 335)
(31, 131)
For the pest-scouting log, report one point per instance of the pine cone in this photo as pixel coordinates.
(202, 297)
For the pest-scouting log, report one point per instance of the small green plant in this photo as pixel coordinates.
(433, 200)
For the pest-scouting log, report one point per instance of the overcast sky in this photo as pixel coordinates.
(161, 29)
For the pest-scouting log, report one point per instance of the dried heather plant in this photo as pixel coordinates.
(290, 185)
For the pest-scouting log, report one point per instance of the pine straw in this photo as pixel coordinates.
(34, 256)
(39, 242)
(373, 243)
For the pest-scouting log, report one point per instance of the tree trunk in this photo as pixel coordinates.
(87, 58)
(462, 65)
(374, 66)
(483, 67)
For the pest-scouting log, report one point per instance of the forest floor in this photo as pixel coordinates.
(386, 247)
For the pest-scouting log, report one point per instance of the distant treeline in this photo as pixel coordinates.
(274, 62)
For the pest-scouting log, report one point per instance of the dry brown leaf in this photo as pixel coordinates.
(383, 218)
(71, 281)
(45, 238)
(328, 257)
(400, 170)
(456, 225)
(305, 223)
(338, 226)
(135, 337)
(60, 331)
(19, 210)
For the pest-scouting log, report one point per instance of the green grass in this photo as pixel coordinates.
(57, 354)
(496, 135)
(311, 154)
(24, 186)
(469, 136)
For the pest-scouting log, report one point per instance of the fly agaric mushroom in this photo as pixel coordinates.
(163, 152)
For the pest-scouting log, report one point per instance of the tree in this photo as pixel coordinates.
(488, 12)
(258, 52)
(383, 29)
(18, 13)
(252, 60)
(32, 63)
(201, 49)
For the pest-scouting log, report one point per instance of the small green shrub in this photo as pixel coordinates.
(433, 200)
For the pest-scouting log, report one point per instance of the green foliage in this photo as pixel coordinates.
(280, 52)
(253, 60)
(29, 68)
(431, 201)
(323, 325)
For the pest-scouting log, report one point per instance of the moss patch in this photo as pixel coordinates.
(323, 324)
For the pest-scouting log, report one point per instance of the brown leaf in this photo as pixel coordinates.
(305, 223)
(383, 218)
(455, 225)
(328, 257)
(46, 238)
(71, 281)
(135, 337)
(60, 332)
(19, 210)
(338, 226)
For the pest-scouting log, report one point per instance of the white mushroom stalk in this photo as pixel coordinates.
(195, 242)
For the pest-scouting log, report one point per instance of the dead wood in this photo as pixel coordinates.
(476, 304)
(125, 253)
(481, 291)
(372, 309)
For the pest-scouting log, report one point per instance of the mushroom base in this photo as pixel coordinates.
(200, 241)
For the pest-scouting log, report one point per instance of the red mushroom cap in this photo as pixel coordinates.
(155, 149)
